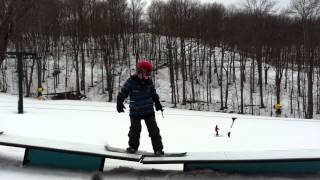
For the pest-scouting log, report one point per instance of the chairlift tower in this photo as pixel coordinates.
(20, 56)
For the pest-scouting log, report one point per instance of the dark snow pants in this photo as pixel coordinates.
(154, 132)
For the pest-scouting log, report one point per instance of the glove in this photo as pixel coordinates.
(158, 106)
(120, 107)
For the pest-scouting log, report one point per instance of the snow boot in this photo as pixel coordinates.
(131, 150)
(159, 153)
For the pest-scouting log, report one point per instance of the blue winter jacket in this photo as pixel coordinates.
(142, 95)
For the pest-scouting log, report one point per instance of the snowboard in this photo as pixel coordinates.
(144, 153)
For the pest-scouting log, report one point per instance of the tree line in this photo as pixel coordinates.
(204, 46)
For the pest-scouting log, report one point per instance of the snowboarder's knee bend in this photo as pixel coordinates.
(154, 133)
(135, 127)
(134, 131)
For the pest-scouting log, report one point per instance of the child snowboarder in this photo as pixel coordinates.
(143, 95)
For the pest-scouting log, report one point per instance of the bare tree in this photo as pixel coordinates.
(11, 14)
(258, 9)
(307, 11)
(259, 6)
(136, 12)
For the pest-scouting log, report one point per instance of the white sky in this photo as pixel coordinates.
(280, 3)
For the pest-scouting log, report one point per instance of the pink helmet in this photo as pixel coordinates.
(145, 65)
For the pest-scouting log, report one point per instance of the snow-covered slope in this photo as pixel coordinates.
(182, 130)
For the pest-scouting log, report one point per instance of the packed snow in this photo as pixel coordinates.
(98, 123)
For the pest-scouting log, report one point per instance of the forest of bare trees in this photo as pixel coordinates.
(204, 46)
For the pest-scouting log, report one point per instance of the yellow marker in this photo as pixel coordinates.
(40, 89)
(277, 106)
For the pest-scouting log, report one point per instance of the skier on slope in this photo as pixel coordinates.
(278, 107)
(216, 129)
(142, 94)
(40, 91)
